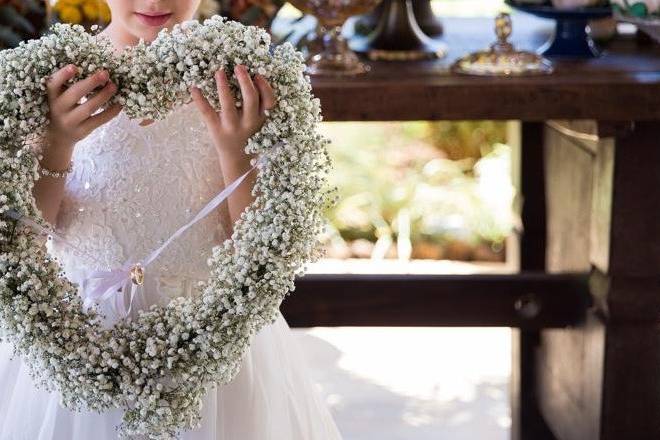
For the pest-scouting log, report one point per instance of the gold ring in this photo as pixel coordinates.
(137, 274)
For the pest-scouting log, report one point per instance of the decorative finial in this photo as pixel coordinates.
(503, 26)
(501, 58)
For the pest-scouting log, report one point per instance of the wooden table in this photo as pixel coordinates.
(587, 363)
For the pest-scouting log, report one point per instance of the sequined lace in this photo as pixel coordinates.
(132, 186)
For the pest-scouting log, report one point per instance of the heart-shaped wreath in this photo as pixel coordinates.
(158, 366)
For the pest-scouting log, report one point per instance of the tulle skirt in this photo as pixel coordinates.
(271, 398)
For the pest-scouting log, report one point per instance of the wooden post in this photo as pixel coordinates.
(526, 422)
(601, 380)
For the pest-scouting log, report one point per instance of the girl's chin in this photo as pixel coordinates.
(148, 33)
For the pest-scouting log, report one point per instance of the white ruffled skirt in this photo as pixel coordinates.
(271, 398)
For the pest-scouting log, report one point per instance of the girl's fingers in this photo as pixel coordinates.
(205, 108)
(228, 107)
(91, 123)
(248, 91)
(58, 79)
(89, 107)
(266, 92)
(82, 88)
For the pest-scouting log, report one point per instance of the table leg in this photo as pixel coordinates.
(600, 380)
(527, 423)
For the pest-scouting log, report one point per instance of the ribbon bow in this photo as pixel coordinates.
(112, 284)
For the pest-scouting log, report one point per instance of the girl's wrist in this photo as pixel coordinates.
(234, 156)
(55, 157)
(59, 146)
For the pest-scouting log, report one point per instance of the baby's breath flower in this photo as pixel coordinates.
(157, 367)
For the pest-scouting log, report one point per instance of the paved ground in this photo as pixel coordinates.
(402, 383)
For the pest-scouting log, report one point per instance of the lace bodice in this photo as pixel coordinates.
(133, 186)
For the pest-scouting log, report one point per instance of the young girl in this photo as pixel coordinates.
(130, 186)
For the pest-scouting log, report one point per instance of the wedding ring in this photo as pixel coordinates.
(137, 274)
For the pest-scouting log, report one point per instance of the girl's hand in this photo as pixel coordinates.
(230, 129)
(70, 121)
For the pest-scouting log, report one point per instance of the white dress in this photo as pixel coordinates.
(131, 188)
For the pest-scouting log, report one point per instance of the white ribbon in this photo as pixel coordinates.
(112, 279)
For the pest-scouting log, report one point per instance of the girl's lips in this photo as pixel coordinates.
(151, 20)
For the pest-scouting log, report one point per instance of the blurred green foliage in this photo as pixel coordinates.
(466, 139)
(413, 183)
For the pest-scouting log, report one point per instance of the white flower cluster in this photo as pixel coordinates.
(158, 367)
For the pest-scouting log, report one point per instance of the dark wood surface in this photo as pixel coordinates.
(436, 300)
(622, 85)
(568, 362)
(599, 380)
(526, 419)
(630, 287)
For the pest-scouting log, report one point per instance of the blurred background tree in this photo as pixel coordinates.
(466, 139)
(420, 189)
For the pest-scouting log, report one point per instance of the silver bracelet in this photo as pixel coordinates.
(52, 173)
